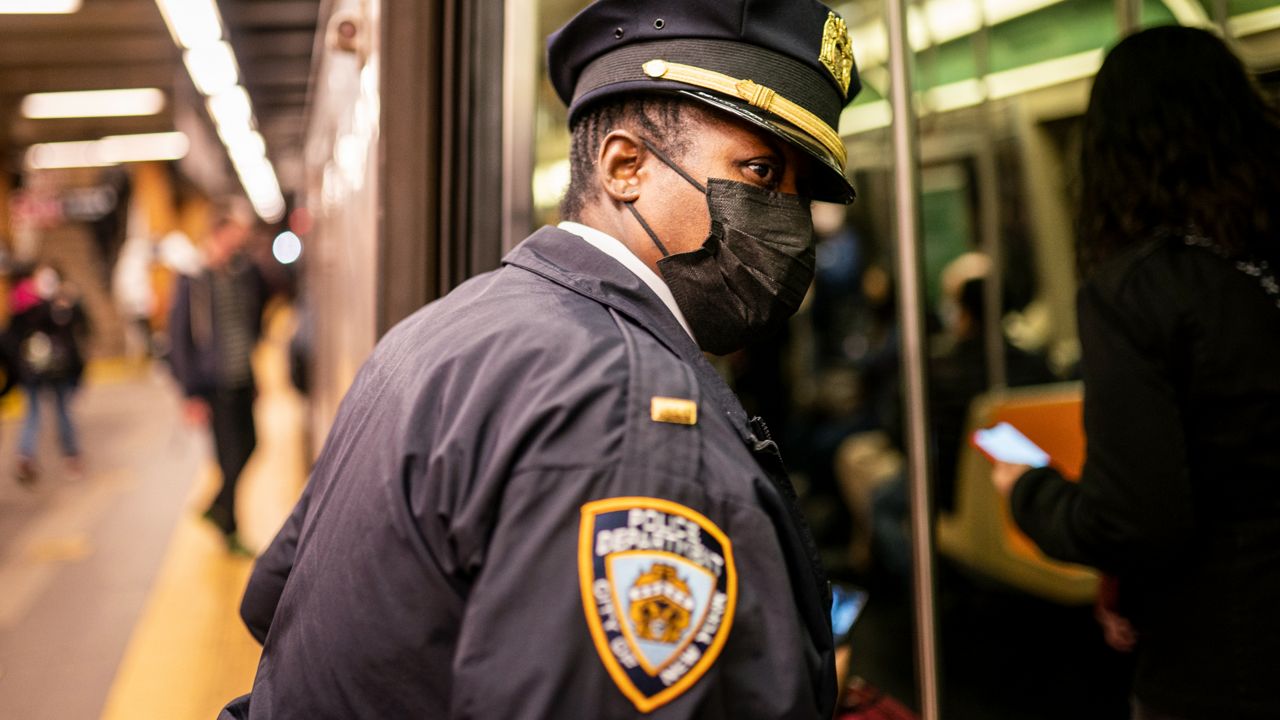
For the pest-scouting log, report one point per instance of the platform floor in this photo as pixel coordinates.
(116, 599)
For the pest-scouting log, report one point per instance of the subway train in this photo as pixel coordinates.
(417, 142)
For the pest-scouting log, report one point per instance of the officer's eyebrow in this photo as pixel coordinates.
(777, 148)
(774, 153)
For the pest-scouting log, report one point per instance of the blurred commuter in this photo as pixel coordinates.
(838, 298)
(135, 298)
(9, 367)
(214, 323)
(539, 500)
(825, 382)
(1180, 326)
(958, 367)
(957, 375)
(49, 327)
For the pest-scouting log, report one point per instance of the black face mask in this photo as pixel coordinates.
(753, 270)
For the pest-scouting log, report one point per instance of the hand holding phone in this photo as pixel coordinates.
(1004, 443)
(847, 603)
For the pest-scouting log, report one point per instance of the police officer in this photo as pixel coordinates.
(538, 499)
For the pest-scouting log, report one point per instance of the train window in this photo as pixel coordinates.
(551, 136)
(1000, 89)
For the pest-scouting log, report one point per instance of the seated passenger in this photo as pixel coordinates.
(538, 499)
(958, 375)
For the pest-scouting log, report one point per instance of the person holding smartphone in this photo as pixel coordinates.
(1179, 316)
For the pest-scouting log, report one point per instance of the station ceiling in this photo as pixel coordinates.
(125, 44)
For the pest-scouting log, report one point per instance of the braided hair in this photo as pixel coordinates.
(661, 119)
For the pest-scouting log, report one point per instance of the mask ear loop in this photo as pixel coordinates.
(652, 235)
(679, 171)
(671, 164)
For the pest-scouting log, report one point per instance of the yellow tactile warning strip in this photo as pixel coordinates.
(111, 370)
(189, 653)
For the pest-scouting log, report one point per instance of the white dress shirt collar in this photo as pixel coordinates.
(614, 248)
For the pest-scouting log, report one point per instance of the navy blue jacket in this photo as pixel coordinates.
(505, 523)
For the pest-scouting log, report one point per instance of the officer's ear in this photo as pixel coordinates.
(620, 165)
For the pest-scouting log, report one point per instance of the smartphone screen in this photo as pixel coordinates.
(1004, 443)
(846, 605)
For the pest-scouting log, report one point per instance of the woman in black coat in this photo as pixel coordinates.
(1179, 318)
(49, 327)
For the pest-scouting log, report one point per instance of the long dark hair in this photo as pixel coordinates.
(1178, 136)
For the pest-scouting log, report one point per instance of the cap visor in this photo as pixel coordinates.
(830, 183)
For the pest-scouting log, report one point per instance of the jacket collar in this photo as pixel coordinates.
(566, 260)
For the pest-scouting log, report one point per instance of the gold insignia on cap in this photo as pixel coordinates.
(677, 411)
(756, 95)
(655, 68)
(837, 51)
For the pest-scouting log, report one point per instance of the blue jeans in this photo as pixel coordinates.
(62, 391)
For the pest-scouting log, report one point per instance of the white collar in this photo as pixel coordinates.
(611, 246)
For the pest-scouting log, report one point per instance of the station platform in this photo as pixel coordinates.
(116, 599)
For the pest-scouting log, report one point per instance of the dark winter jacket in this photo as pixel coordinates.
(1180, 494)
(195, 333)
(49, 336)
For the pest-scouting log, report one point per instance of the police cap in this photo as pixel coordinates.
(783, 65)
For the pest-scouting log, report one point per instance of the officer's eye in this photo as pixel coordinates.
(764, 172)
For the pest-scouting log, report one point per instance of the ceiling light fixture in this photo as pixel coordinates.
(234, 134)
(248, 145)
(231, 108)
(935, 22)
(967, 93)
(93, 103)
(110, 150)
(261, 185)
(212, 67)
(1254, 22)
(39, 7)
(197, 28)
(192, 23)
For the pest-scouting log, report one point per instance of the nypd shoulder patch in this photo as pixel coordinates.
(659, 589)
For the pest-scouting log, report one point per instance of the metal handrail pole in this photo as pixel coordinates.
(912, 338)
(991, 241)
